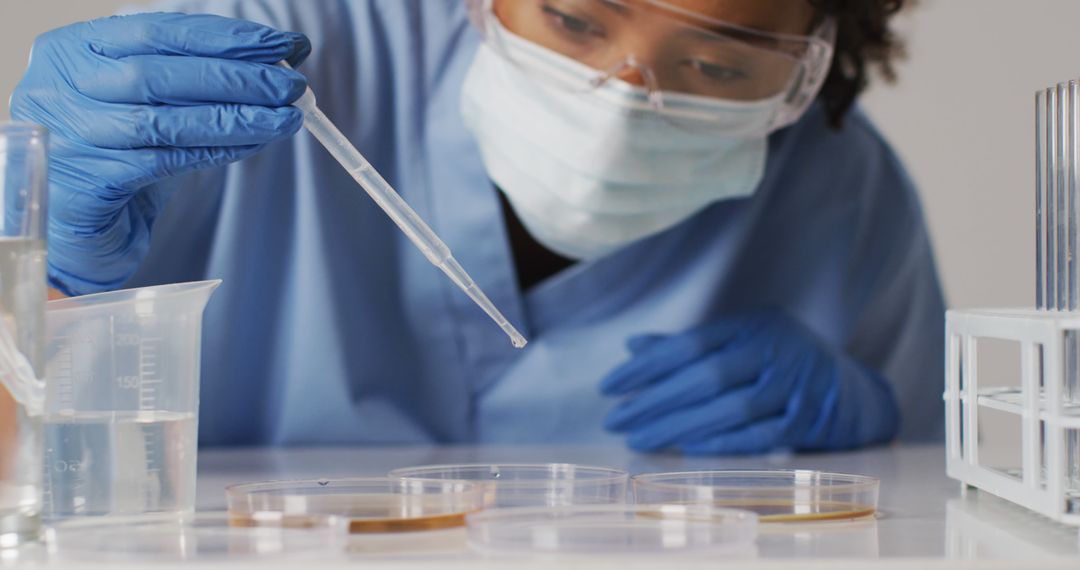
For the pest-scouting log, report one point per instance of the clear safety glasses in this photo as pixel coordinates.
(679, 61)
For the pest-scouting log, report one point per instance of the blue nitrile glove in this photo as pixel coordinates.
(747, 384)
(132, 100)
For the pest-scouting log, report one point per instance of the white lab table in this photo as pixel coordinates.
(926, 521)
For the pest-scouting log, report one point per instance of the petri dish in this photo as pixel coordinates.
(371, 504)
(782, 495)
(212, 536)
(424, 545)
(604, 529)
(532, 484)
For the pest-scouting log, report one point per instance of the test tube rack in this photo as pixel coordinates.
(1042, 469)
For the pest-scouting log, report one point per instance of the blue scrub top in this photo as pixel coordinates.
(331, 328)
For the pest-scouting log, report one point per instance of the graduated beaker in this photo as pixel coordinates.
(24, 186)
(122, 401)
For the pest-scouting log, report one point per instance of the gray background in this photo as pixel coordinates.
(961, 117)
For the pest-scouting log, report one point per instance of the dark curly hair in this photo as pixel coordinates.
(864, 43)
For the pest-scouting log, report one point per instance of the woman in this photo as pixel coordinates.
(708, 247)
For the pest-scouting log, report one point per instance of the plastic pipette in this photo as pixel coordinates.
(399, 211)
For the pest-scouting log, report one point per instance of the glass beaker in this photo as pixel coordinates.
(24, 184)
(122, 401)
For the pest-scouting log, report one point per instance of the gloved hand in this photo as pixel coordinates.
(132, 100)
(747, 384)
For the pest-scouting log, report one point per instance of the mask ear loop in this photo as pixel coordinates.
(651, 86)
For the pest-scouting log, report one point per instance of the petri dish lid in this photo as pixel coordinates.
(532, 484)
(191, 537)
(604, 529)
(371, 504)
(781, 495)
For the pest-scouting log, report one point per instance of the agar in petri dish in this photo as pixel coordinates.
(371, 505)
(777, 496)
(531, 484)
(604, 529)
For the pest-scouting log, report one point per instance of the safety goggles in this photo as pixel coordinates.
(680, 62)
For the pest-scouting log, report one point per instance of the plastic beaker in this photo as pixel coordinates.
(122, 401)
(24, 187)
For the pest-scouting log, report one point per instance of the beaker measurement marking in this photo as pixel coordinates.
(128, 382)
(147, 372)
(127, 339)
(147, 399)
(151, 460)
(62, 377)
(64, 395)
(73, 466)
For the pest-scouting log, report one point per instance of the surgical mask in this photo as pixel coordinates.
(590, 172)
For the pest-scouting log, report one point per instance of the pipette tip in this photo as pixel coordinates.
(515, 337)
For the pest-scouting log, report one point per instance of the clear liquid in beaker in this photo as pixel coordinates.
(20, 482)
(22, 308)
(117, 463)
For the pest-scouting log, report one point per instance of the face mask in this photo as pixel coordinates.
(589, 172)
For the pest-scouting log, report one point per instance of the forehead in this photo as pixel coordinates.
(779, 16)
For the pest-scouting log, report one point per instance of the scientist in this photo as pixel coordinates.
(710, 248)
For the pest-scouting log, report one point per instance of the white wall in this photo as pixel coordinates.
(961, 117)
(22, 20)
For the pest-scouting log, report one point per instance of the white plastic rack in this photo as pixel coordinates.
(1044, 472)
(1046, 478)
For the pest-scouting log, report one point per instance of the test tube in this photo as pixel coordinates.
(1040, 126)
(1048, 184)
(1072, 463)
(1069, 169)
(1061, 213)
(1070, 155)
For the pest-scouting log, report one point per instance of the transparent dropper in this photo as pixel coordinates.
(399, 211)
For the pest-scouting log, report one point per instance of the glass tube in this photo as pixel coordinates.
(1040, 126)
(23, 194)
(1049, 179)
(1060, 214)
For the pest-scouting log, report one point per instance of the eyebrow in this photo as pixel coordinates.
(747, 37)
(754, 32)
(754, 36)
(616, 6)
